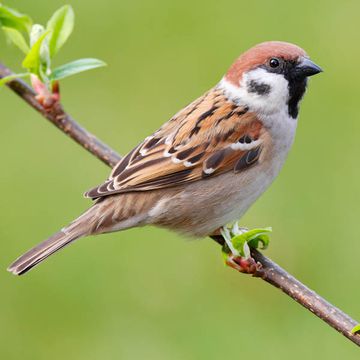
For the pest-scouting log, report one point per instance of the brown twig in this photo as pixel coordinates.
(277, 276)
(56, 115)
(268, 270)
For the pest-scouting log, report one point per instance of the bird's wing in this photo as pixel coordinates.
(207, 138)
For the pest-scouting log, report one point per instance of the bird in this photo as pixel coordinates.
(209, 163)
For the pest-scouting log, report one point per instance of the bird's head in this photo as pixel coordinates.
(270, 76)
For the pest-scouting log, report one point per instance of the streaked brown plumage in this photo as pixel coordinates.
(197, 135)
(201, 169)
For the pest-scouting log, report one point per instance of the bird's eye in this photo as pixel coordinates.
(274, 62)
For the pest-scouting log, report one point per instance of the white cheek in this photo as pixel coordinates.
(271, 108)
(266, 104)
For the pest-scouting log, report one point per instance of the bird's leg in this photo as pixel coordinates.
(242, 264)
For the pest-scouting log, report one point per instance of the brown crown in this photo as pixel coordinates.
(259, 55)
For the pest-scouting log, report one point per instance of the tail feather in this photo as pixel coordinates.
(40, 252)
(104, 216)
(80, 227)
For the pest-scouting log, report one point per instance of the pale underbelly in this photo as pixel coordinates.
(204, 206)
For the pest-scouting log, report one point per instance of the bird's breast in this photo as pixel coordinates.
(199, 208)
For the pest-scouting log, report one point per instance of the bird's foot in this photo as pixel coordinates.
(244, 265)
(238, 242)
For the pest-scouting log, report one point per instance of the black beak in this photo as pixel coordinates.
(307, 68)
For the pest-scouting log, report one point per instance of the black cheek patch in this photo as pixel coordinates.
(258, 88)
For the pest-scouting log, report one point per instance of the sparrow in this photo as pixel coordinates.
(209, 163)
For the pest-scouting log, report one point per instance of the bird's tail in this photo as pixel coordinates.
(40, 252)
(80, 227)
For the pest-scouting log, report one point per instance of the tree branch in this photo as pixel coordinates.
(269, 271)
(277, 276)
(56, 115)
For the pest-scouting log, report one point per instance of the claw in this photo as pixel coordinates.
(247, 266)
(238, 241)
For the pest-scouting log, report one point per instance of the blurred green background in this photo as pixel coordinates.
(147, 293)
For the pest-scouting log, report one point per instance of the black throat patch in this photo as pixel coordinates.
(297, 85)
(258, 88)
(297, 90)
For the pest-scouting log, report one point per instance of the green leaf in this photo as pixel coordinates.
(13, 19)
(17, 38)
(44, 55)
(264, 239)
(241, 245)
(61, 26)
(253, 238)
(355, 329)
(8, 78)
(75, 67)
(32, 61)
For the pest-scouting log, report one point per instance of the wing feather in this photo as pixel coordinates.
(207, 138)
